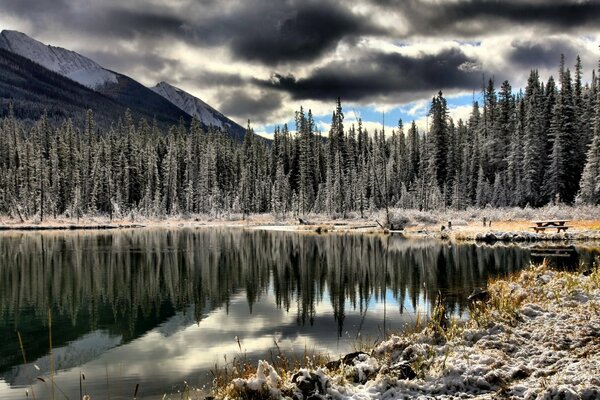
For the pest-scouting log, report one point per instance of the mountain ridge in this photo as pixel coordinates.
(33, 91)
(65, 62)
(165, 102)
(197, 108)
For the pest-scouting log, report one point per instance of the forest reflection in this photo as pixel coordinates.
(129, 282)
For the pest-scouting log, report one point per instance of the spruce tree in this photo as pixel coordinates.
(589, 192)
(439, 134)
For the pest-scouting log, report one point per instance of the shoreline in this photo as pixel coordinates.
(535, 337)
(507, 231)
(69, 227)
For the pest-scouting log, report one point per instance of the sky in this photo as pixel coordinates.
(263, 59)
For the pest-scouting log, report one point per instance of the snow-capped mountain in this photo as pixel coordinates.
(62, 61)
(190, 104)
(195, 107)
(34, 90)
(164, 102)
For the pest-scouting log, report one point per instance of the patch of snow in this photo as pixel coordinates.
(190, 104)
(266, 378)
(62, 61)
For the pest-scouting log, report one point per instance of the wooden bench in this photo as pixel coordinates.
(558, 224)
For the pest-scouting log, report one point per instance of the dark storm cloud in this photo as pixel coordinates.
(282, 31)
(297, 38)
(127, 24)
(545, 53)
(96, 18)
(381, 74)
(33, 8)
(470, 18)
(254, 30)
(239, 103)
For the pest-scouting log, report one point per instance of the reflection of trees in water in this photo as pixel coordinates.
(356, 268)
(133, 274)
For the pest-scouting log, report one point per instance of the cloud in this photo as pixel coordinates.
(119, 59)
(544, 53)
(215, 78)
(380, 74)
(485, 17)
(242, 104)
(262, 59)
(128, 24)
(284, 31)
(106, 19)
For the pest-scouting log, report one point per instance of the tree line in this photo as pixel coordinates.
(533, 147)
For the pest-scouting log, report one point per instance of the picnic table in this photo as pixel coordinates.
(558, 224)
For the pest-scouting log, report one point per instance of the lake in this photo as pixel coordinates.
(160, 307)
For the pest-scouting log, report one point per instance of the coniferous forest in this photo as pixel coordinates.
(533, 147)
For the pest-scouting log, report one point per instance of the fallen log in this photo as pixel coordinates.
(362, 227)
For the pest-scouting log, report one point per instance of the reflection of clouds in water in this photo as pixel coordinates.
(78, 352)
(191, 349)
(181, 348)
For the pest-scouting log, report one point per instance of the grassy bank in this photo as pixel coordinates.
(534, 335)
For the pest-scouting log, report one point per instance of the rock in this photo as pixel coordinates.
(494, 378)
(403, 370)
(479, 294)
(520, 373)
(333, 365)
(309, 384)
(349, 358)
(590, 393)
(506, 237)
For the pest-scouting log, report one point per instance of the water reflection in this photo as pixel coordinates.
(156, 307)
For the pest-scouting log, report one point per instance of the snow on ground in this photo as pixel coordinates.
(538, 337)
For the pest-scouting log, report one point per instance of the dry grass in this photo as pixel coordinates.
(507, 295)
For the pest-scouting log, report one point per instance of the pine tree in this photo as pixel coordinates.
(589, 192)
(439, 136)
(563, 175)
(483, 189)
(281, 191)
(534, 145)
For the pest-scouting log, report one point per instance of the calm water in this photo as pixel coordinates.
(160, 307)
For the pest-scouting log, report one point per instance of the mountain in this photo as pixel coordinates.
(168, 104)
(121, 88)
(136, 96)
(33, 90)
(64, 62)
(198, 109)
